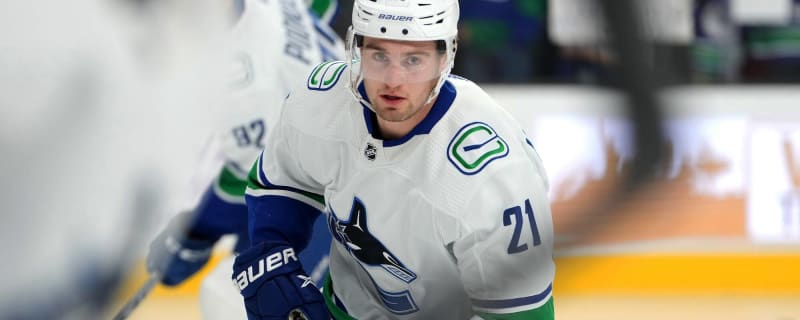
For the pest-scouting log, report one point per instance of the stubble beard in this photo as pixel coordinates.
(395, 115)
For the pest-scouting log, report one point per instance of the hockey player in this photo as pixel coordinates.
(274, 43)
(92, 135)
(433, 194)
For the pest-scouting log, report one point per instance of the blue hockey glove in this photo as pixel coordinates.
(274, 285)
(175, 255)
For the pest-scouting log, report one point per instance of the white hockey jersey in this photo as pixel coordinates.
(275, 44)
(448, 222)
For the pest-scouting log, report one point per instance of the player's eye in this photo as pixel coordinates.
(380, 56)
(413, 61)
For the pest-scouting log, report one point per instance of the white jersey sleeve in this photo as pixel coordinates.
(504, 236)
(275, 45)
(505, 253)
(306, 130)
(281, 171)
(290, 175)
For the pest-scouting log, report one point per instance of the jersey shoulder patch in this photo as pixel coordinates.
(325, 75)
(474, 147)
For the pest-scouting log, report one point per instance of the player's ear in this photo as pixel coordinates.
(442, 63)
(441, 51)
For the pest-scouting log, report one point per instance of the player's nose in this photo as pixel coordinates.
(395, 76)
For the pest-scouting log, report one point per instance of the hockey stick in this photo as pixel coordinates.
(129, 306)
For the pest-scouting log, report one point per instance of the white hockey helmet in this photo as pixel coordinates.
(404, 20)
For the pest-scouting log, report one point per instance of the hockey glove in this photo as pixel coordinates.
(175, 255)
(274, 285)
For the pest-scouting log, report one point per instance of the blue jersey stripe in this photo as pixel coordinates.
(322, 31)
(266, 184)
(511, 303)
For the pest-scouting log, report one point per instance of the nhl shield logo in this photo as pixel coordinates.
(370, 151)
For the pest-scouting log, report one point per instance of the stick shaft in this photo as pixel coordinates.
(134, 301)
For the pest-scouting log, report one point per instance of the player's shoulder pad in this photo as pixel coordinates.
(484, 133)
(474, 146)
(310, 108)
(325, 75)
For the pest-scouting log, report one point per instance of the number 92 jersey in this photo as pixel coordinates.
(449, 222)
(274, 44)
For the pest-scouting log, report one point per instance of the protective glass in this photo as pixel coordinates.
(394, 68)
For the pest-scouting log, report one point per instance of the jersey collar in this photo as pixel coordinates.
(443, 102)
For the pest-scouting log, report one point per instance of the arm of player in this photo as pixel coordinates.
(185, 245)
(281, 216)
(505, 251)
(222, 209)
(176, 254)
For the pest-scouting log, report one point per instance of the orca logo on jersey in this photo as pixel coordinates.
(325, 75)
(355, 236)
(474, 146)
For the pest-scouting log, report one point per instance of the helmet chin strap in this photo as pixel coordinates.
(435, 90)
(353, 85)
(442, 77)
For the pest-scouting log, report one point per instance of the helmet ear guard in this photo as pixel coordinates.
(403, 20)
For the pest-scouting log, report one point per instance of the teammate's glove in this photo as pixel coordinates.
(175, 255)
(274, 285)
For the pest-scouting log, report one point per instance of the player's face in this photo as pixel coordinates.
(399, 76)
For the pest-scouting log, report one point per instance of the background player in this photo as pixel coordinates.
(93, 133)
(274, 43)
(435, 197)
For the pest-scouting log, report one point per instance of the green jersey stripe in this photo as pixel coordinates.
(545, 312)
(230, 184)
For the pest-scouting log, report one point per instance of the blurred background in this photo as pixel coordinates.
(671, 136)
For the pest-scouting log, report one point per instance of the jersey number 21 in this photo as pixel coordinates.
(515, 214)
